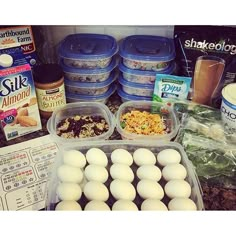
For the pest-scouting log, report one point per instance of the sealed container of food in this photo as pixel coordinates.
(147, 52)
(87, 121)
(143, 76)
(84, 88)
(137, 89)
(88, 51)
(79, 184)
(88, 75)
(127, 97)
(70, 97)
(146, 120)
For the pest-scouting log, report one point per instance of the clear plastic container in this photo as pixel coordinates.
(70, 97)
(167, 114)
(88, 51)
(82, 109)
(130, 146)
(83, 88)
(145, 90)
(88, 75)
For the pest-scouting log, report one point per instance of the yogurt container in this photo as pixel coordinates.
(84, 88)
(70, 97)
(228, 106)
(143, 76)
(88, 51)
(88, 75)
(146, 52)
(137, 89)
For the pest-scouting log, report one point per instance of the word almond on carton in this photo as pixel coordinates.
(19, 113)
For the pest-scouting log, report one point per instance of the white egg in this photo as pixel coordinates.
(177, 188)
(97, 157)
(182, 204)
(153, 205)
(174, 171)
(121, 156)
(151, 172)
(124, 205)
(121, 189)
(150, 189)
(94, 190)
(122, 172)
(95, 205)
(69, 174)
(83, 183)
(96, 173)
(69, 191)
(68, 206)
(168, 156)
(143, 156)
(74, 158)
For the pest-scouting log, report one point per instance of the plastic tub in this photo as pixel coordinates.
(81, 109)
(143, 76)
(130, 146)
(127, 97)
(88, 75)
(145, 90)
(90, 98)
(88, 51)
(83, 88)
(166, 113)
(146, 52)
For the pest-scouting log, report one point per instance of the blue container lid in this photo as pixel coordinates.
(88, 46)
(127, 96)
(105, 95)
(124, 82)
(70, 69)
(98, 85)
(147, 48)
(127, 70)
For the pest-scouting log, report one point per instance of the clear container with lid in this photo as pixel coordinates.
(147, 52)
(88, 51)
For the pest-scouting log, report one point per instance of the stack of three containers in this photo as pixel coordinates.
(143, 56)
(88, 63)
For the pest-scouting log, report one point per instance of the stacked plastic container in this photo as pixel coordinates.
(143, 56)
(88, 63)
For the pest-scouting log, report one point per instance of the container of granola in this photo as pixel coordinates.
(146, 120)
(87, 121)
(147, 52)
(88, 51)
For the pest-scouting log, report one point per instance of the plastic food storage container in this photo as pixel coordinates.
(70, 97)
(88, 51)
(81, 109)
(143, 76)
(137, 89)
(109, 146)
(84, 88)
(146, 52)
(127, 97)
(88, 75)
(168, 121)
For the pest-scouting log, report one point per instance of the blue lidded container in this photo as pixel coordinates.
(143, 76)
(88, 50)
(147, 52)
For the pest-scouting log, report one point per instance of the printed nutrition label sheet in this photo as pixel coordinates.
(24, 172)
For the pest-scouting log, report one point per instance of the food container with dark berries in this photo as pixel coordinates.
(87, 121)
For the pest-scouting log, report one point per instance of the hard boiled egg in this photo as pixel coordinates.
(182, 204)
(174, 171)
(121, 156)
(124, 205)
(168, 156)
(151, 172)
(69, 191)
(177, 188)
(68, 206)
(96, 173)
(70, 174)
(122, 172)
(94, 190)
(153, 205)
(96, 206)
(143, 156)
(97, 157)
(74, 158)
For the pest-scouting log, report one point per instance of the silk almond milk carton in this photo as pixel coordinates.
(19, 113)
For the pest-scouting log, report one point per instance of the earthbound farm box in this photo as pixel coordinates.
(19, 114)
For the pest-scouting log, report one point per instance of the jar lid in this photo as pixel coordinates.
(229, 93)
(47, 73)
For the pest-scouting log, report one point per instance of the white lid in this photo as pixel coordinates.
(229, 93)
(6, 60)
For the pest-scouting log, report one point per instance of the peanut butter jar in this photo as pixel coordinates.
(50, 90)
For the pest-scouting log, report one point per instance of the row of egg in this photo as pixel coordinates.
(121, 188)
